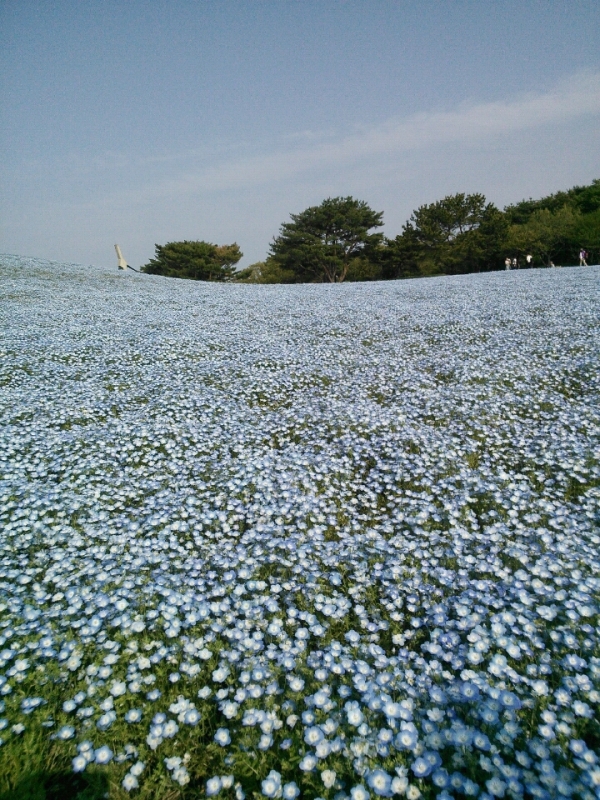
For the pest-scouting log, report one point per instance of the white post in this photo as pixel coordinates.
(122, 262)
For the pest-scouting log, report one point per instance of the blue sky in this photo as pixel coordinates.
(147, 122)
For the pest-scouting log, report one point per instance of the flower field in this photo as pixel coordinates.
(299, 541)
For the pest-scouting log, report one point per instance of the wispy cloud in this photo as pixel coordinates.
(576, 97)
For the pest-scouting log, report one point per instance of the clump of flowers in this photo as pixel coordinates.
(302, 542)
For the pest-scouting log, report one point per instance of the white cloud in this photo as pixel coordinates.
(573, 98)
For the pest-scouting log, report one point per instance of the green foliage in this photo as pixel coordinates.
(268, 271)
(556, 227)
(402, 257)
(587, 235)
(200, 261)
(248, 274)
(63, 785)
(585, 199)
(547, 235)
(440, 224)
(321, 242)
(461, 233)
(362, 268)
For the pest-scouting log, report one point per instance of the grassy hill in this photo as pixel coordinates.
(317, 541)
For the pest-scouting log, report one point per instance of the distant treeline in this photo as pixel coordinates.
(337, 241)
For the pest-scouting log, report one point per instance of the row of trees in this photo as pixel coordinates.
(338, 241)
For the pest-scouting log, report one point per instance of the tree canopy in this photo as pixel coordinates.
(460, 233)
(546, 234)
(465, 233)
(321, 243)
(585, 199)
(201, 261)
(337, 241)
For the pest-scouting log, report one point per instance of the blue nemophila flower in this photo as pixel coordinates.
(265, 741)
(213, 786)
(421, 767)
(328, 777)
(399, 784)
(353, 713)
(380, 782)
(469, 690)
(447, 515)
(481, 741)
(229, 709)
(181, 776)
(103, 755)
(308, 763)
(220, 675)
(578, 747)
(313, 735)
(392, 710)
(407, 738)
(289, 791)
(271, 785)
(29, 704)
(321, 698)
(86, 748)
(130, 782)
(510, 700)
(106, 720)
(222, 737)
(155, 737)
(133, 715)
(192, 717)
(66, 732)
(79, 763)
(440, 778)
(170, 728)
(325, 747)
(496, 787)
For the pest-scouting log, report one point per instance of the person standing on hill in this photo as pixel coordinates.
(507, 263)
(529, 260)
(582, 258)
